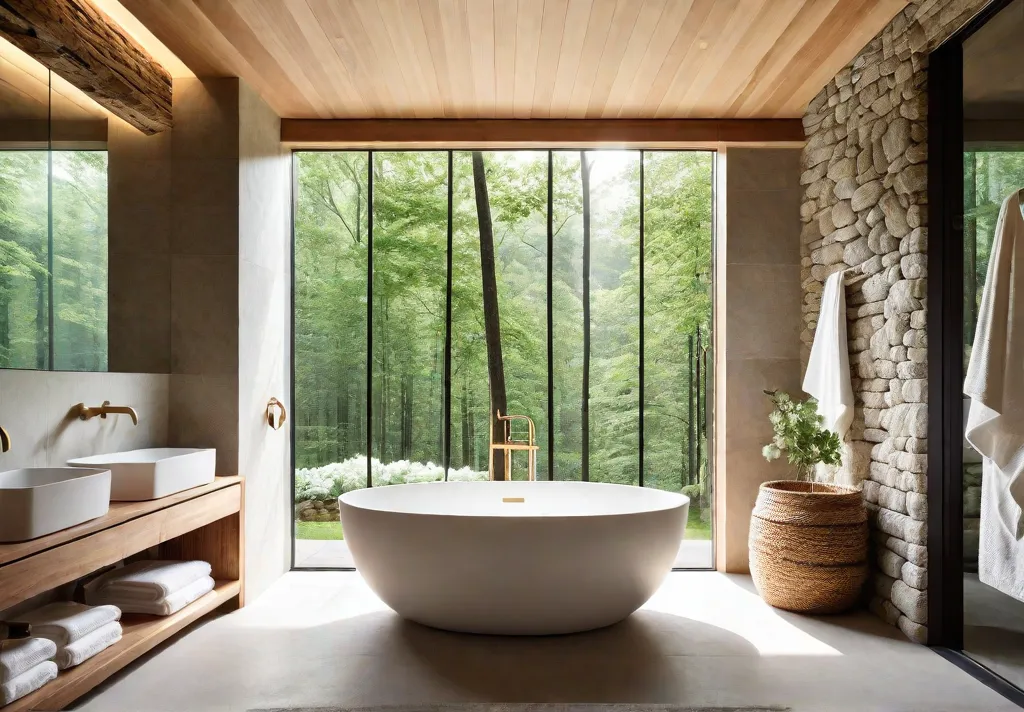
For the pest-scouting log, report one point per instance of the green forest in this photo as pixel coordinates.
(989, 177)
(499, 297)
(59, 251)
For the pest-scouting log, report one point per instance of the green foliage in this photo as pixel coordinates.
(799, 433)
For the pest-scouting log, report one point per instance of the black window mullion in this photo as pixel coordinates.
(641, 365)
(551, 324)
(446, 455)
(50, 335)
(585, 415)
(369, 319)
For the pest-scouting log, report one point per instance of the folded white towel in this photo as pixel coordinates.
(19, 656)
(84, 648)
(65, 622)
(28, 681)
(148, 580)
(164, 607)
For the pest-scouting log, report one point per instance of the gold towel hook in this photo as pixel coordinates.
(272, 420)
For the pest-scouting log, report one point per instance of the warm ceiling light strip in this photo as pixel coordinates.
(146, 39)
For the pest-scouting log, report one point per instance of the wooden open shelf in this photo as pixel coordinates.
(141, 634)
(119, 513)
(201, 523)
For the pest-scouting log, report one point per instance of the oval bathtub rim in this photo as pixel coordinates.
(680, 501)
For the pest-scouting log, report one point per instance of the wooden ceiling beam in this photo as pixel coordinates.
(513, 133)
(78, 42)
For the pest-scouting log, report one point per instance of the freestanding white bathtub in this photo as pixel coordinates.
(513, 558)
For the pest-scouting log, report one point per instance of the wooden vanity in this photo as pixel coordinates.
(201, 523)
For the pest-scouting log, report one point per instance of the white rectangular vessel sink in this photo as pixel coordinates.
(36, 501)
(153, 473)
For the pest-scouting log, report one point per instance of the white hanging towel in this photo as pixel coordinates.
(828, 369)
(995, 384)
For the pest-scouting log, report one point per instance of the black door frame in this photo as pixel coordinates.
(945, 354)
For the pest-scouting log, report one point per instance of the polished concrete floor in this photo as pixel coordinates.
(994, 629)
(334, 554)
(319, 639)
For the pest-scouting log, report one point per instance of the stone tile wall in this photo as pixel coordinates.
(865, 209)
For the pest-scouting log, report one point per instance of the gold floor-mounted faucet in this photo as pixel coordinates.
(529, 445)
(85, 412)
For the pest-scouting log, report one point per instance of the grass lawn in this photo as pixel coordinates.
(318, 531)
(696, 530)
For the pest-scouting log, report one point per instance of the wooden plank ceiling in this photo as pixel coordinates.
(521, 58)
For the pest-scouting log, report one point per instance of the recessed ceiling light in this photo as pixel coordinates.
(703, 44)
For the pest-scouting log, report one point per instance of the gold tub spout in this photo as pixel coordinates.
(529, 445)
(5, 440)
(85, 412)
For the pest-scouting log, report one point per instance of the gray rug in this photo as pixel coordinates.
(528, 707)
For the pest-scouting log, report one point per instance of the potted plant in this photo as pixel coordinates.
(808, 540)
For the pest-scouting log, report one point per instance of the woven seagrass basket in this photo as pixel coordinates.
(809, 549)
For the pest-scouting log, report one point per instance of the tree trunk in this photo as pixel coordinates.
(585, 404)
(467, 455)
(492, 322)
(382, 395)
(691, 424)
(407, 417)
(344, 426)
(42, 322)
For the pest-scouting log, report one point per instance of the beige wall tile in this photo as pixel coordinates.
(764, 226)
(205, 200)
(205, 118)
(203, 412)
(204, 315)
(763, 311)
(138, 204)
(139, 313)
(763, 168)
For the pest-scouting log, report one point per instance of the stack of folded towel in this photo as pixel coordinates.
(25, 666)
(158, 588)
(78, 631)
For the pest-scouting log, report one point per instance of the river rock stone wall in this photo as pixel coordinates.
(865, 210)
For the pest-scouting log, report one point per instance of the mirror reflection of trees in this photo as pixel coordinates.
(499, 326)
(79, 260)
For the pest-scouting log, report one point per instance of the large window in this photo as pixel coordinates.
(573, 287)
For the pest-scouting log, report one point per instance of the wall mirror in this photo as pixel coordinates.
(53, 221)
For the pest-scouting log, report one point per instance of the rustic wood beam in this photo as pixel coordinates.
(75, 40)
(520, 133)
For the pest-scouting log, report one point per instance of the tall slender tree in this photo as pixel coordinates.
(492, 321)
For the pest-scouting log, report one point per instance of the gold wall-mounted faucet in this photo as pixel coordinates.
(5, 440)
(84, 412)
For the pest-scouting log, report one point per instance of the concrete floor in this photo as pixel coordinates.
(994, 629)
(319, 639)
(320, 554)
